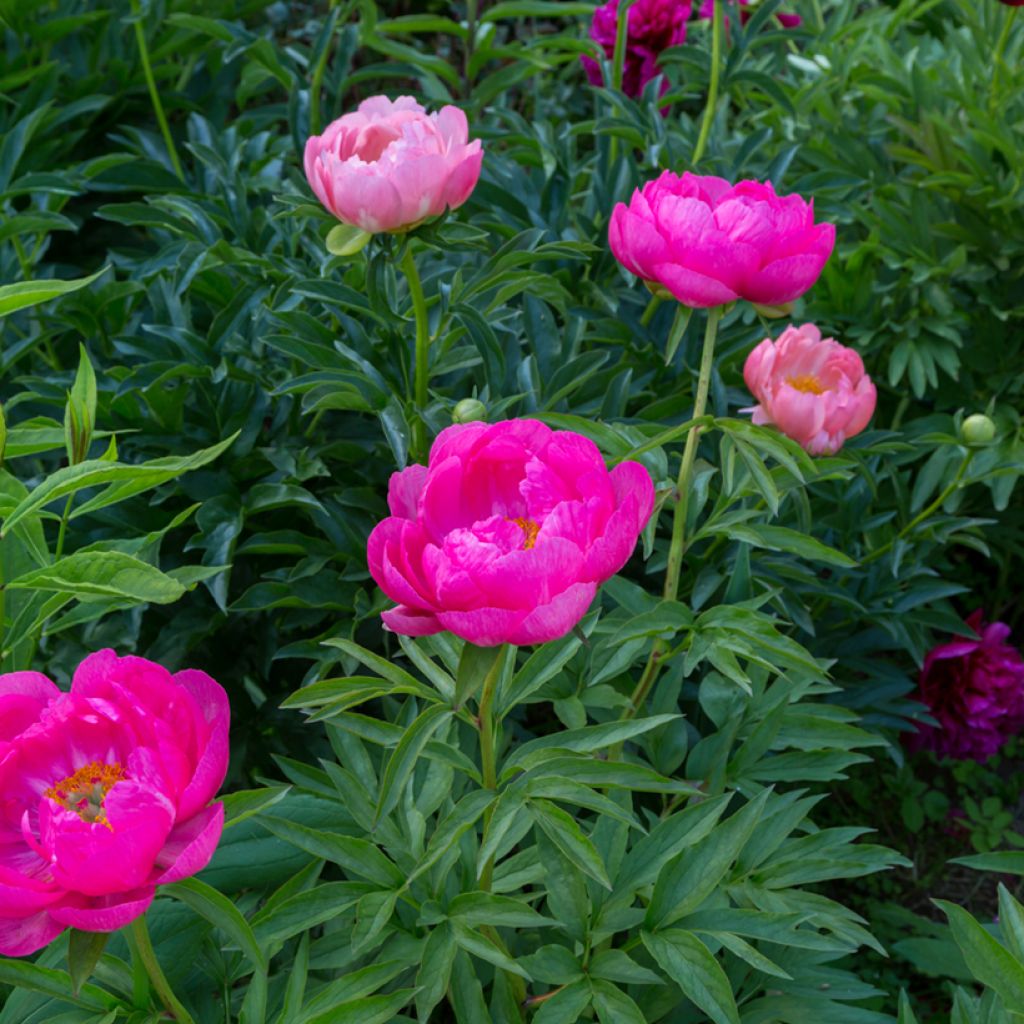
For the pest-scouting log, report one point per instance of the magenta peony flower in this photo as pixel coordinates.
(815, 391)
(104, 793)
(506, 534)
(390, 165)
(707, 9)
(975, 691)
(654, 25)
(710, 243)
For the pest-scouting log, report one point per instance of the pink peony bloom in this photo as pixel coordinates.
(707, 9)
(814, 391)
(506, 534)
(654, 25)
(104, 793)
(391, 165)
(710, 243)
(974, 689)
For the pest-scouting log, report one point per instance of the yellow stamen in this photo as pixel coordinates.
(807, 383)
(85, 790)
(530, 530)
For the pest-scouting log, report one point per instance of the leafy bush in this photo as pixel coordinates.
(209, 410)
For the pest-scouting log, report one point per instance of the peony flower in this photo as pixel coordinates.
(391, 165)
(104, 793)
(707, 9)
(974, 689)
(506, 534)
(654, 25)
(815, 391)
(1013, 3)
(710, 243)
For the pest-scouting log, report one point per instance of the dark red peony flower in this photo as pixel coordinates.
(654, 26)
(975, 691)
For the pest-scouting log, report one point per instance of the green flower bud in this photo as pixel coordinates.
(469, 410)
(977, 429)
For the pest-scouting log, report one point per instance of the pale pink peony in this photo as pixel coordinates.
(104, 793)
(710, 243)
(815, 391)
(506, 534)
(391, 165)
(974, 688)
(707, 9)
(653, 26)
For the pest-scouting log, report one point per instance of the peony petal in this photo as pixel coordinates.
(463, 175)
(404, 490)
(692, 288)
(213, 723)
(553, 620)
(190, 846)
(103, 913)
(20, 936)
(411, 621)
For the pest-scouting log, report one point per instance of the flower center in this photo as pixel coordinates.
(85, 791)
(530, 530)
(807, 383)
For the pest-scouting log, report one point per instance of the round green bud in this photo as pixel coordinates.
(977, 429)
(469, 410)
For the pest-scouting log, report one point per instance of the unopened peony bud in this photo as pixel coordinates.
(977, 429)
(469, 410)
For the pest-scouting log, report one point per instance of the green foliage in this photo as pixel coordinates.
(206, 383)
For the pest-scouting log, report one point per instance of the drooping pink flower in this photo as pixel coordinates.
(710, 243)
(974, 689)
(105, 793)
(653, 26)
(506, 534)
(707, 9)
(390, 165)
(814, 390)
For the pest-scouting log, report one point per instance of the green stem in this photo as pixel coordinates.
(471, 13)
(154, 94)
(422, 369)
(63, 527)
(675, 553)
(997, 57)
(621, 41)
(140, 934)
(315, 88)
(716, 64)
(678, 545)
(652, 308)
(488, 750)
(922, 516)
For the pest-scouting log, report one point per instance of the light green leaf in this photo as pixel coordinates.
(990, 962)
(404, 757)
(689, 963)
(561, 828)
(221, 913)
(23, 294)
(102, 574)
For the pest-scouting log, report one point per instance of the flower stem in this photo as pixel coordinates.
(63, 528)
(621, 42)
(144, 947)
(488, 749)
(652, 308)
(997, 57)
(716, 64)
(675, 553)
(154, 94)
(678, 545)
(925, 514)
(422, 370)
